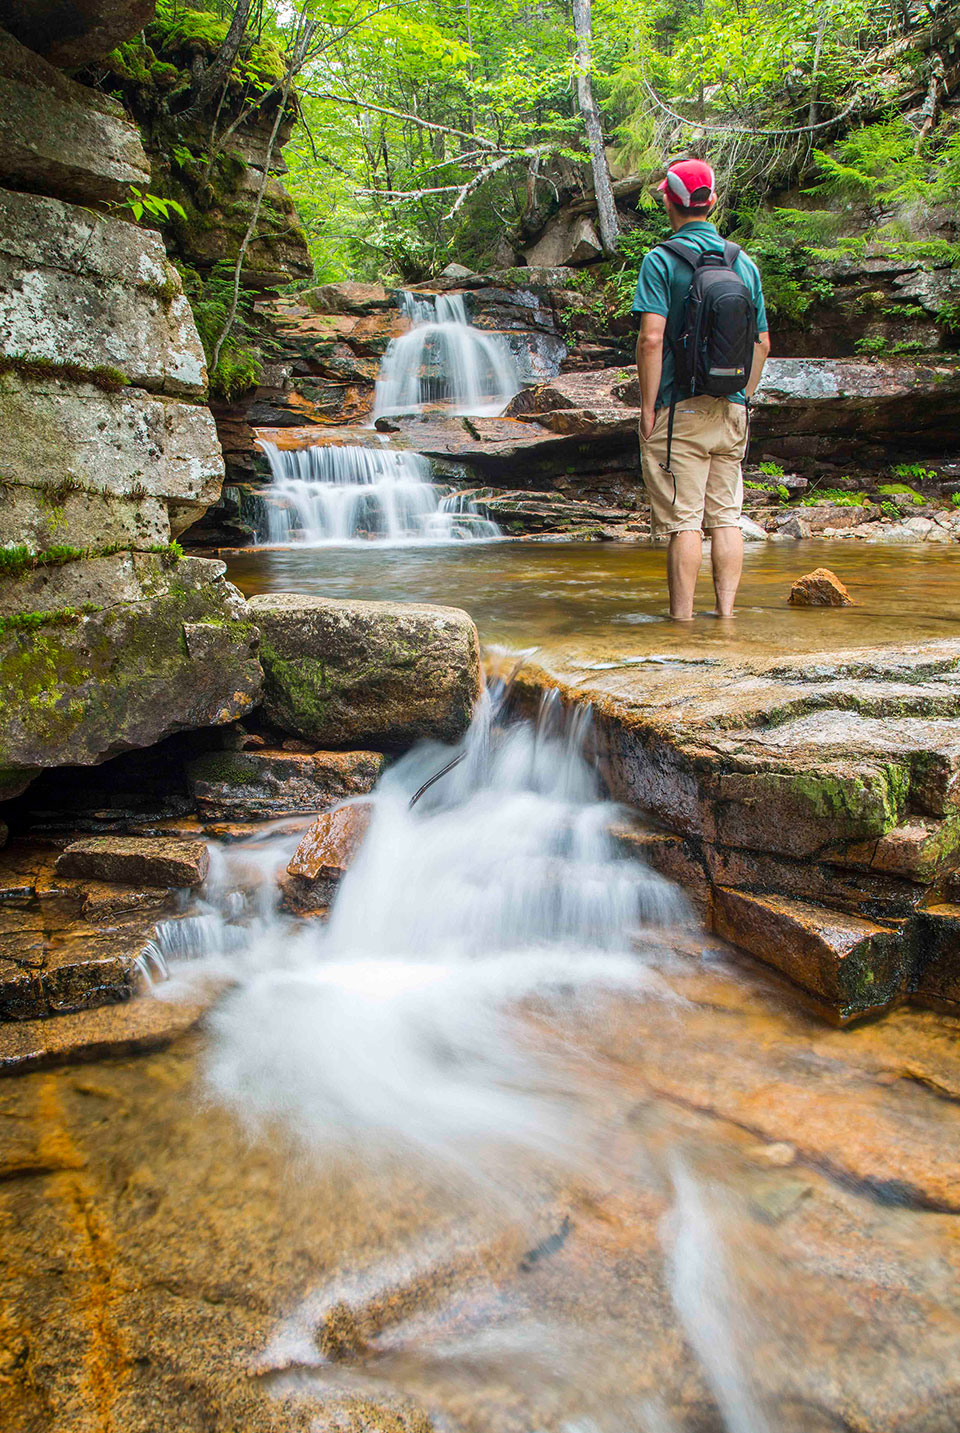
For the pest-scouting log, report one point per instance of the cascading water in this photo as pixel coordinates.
(408, 1035)
(444, 361)
(340, 494)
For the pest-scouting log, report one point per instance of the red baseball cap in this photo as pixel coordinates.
(689, 181)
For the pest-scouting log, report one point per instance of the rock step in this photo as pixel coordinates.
(137, 860)
(43, 974)
(140, 1024)
(852, 965)
(264, 784)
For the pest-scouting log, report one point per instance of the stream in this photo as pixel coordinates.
(506, 1146)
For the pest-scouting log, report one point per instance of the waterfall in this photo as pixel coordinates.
(444, 361)
(340, 494)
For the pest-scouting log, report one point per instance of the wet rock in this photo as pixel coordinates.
(854, 965)
(324, 856)
(39, 105)
(87, 1035)
(938, 970)
(820, 588)
(167, 647)
(253, 785)
(359, 674)
(137, 860)
(79, 968)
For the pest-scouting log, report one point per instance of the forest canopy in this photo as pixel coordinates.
(437, 130)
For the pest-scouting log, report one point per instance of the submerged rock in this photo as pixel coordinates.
(137, 860)
(820, 588)
(378, 674)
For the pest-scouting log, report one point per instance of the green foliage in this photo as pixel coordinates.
(871, 344)
(955, 499)
(836, 496)
(771, 470)
(916, 471)
(877, 161)
(139, 202)
(240, 364)
(889, 509)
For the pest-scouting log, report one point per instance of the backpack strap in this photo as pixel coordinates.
(680, 250)
(731, 253)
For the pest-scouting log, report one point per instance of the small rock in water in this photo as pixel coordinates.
(323, 857)
(820, 588)
(779, 1154)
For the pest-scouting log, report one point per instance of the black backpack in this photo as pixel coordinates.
(713, 346)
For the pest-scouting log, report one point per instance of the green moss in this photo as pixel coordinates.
(56, 617)
(890, 490)
(110, 380)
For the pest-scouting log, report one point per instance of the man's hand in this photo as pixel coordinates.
(647, 419)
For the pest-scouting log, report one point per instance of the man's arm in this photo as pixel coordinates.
(650, 367)
(761, 352)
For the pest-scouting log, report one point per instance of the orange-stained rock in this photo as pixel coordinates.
(820, 588)
(323, 857)
(853, 965)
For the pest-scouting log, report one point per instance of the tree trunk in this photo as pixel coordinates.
(217, 72)
(602, 188)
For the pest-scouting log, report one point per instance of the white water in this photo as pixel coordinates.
(444, 361)
(403, 1035)
(334, 494)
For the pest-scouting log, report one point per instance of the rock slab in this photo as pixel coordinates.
(253, 785)
(324, 856)
(162, 647)
(137, 860)
(366, 674)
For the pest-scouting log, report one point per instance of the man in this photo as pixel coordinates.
(700, 487)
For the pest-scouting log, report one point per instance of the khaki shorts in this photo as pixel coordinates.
(709, 435)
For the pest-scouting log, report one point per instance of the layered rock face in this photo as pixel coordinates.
(812, 809)
(107, 452)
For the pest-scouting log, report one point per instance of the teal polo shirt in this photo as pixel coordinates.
(664, 282)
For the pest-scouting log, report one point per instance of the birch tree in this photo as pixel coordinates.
(602, 187)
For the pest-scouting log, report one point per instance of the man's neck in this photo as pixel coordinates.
(678, 222)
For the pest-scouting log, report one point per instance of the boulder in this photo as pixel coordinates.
(89, 469)
(255, 785)
(79, 288)
(324, 856)
(366, 674)
(38, 107)
(137, 860)
(820, 588)
(567, 239)
(73, 32)
(120, 652)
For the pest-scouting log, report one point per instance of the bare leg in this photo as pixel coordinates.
(726, 556)
(683, 565)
